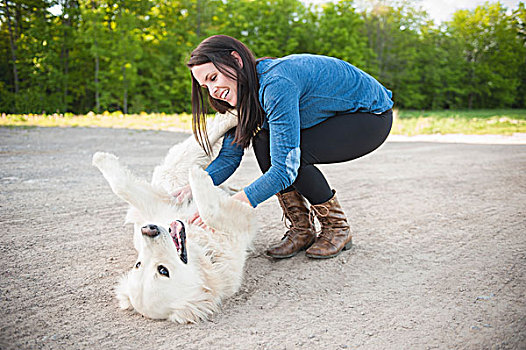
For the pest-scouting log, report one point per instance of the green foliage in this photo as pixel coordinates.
(269, 28)
(338, 34)
(130, 56)
(493, 55)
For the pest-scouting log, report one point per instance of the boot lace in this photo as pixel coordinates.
(321, 212)
(292, 228)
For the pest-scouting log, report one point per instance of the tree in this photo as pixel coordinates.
(519, 20)
(131, 55)
(9, 18)
(339, 29)
(394, 34)
(248, 21)
(493, 55)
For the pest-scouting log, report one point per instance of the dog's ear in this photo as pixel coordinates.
(122, 292)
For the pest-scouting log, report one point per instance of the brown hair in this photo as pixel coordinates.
(218, 50)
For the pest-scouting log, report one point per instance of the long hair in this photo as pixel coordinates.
(218, 50)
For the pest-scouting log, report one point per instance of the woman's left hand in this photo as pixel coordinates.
(196, 218)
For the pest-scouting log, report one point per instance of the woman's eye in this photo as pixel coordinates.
(213, 78)
(138, 264)
(163, 270)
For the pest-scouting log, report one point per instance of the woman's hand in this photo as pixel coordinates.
(183, 194)
(196, 218)
(242, 196)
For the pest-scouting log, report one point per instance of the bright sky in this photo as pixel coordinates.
(442, 10)
(439, 10)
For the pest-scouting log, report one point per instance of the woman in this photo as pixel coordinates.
(297, 111)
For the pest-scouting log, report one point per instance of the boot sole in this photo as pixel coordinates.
(290, 255)
(345, 247)
(282, 256)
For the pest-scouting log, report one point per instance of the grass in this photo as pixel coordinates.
(153, 121)
(469, 122)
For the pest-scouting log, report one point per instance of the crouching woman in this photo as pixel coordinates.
(297, 111)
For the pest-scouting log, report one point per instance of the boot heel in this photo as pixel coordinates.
(348, 245)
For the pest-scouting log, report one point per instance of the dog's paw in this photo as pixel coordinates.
(199, 178)
(103, 160)
(228, 120)
(122, 292)
(206, 196)
(232, 119)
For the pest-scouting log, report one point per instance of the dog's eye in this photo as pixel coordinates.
(163, 270)
(138, 264)
(169, 230)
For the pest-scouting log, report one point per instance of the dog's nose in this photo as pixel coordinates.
(150, 230)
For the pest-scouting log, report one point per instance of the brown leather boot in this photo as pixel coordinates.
(301, 231)
(335, 233)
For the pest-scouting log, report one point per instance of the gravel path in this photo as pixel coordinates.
(439, 259)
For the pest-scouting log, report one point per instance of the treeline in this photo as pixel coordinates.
(129, 55)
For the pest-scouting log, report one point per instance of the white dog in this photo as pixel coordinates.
(182, 271)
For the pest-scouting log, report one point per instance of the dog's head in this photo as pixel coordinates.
(164, 281)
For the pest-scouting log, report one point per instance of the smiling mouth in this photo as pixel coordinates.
(178, 234)
(224, 94)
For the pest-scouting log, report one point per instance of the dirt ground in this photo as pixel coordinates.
(439, 259)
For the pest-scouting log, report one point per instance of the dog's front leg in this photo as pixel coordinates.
(217, 208)
(125, 185)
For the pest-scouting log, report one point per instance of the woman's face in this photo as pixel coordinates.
(219, 85)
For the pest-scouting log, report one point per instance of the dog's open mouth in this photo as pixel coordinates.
(179, 237)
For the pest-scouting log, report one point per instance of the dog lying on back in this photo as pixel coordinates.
(183, 271)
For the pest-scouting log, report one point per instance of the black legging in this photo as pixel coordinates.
(338, 139)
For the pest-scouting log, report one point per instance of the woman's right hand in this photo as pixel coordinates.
(183, 194)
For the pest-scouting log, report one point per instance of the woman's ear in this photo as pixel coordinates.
(237, 58)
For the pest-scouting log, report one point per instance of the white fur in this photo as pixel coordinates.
(215, 259)
(173, 172)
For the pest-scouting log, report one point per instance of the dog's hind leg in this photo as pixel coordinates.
(218, 209)
(125, 185)
(220, 125)
(172, 174)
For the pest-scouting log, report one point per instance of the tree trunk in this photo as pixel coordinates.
(65, 55)
(13, 46)
(125, 87)
(97, 87)
(380, 44)
(198, 11)
(97, 94)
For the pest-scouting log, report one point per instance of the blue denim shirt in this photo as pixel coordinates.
(298, 92)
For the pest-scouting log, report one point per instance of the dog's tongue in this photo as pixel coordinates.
(179, 237)
(176, 227)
